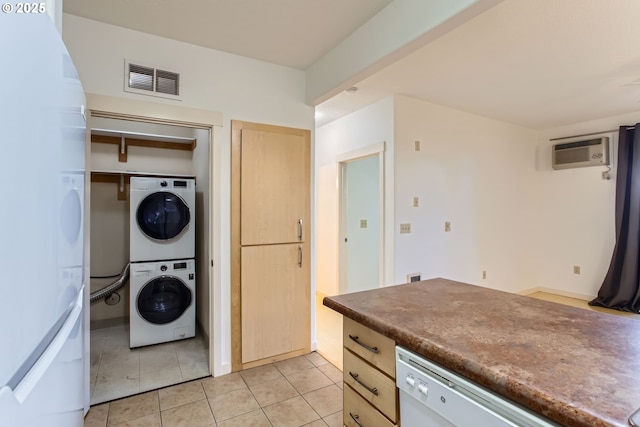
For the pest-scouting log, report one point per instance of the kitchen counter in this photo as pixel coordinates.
(576, 367)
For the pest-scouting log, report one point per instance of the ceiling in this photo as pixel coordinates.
(538, 64)
(293, 33)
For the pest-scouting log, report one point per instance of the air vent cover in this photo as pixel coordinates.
(140, 77)
(151, 81)
(577, 154)
(167, 82)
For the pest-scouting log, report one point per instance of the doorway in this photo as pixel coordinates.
(361, 224)
(204, 161)
(132, 353)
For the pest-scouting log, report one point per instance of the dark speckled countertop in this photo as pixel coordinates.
(575, 366)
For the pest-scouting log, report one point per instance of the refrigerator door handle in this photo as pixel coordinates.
(39, 368)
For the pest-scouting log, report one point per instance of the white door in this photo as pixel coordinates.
(361, 224)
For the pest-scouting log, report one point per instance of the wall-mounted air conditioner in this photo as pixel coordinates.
(578, 154)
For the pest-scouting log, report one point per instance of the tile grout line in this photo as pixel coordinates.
(208, 403)
(298, 391)
(279, 370)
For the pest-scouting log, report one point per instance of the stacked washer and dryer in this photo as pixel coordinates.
(162, 251)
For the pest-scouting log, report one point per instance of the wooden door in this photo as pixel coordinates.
(274, 187)
(270, 274)
(275, 300)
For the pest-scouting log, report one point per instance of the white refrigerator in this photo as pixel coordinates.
(42, 170)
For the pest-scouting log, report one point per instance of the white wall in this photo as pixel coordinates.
(476, 173)
(109, 248)
(511, 215)
(366, 127)
(54, 10)
(201, 156)
(240, 88)
(576, 216)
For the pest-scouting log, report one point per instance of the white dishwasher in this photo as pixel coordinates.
(431, 396)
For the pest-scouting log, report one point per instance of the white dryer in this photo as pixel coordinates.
(162, 219)
(162, 302)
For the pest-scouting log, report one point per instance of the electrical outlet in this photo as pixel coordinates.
(484, 274)
(447, 226)
(417, 145)
(416, 202)
(363, 223)
(405, 228)
(576, 269)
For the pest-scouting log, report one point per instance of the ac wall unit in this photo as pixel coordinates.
(578, 154)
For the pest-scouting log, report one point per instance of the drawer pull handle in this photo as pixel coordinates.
(357, 341)
(359, 381)
(355, 418)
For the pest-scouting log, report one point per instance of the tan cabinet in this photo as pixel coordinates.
(271, 317)
(358, 412)
(274, 187)
(274, 300)
(370, 393)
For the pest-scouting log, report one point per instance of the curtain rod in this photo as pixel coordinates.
(589, 134)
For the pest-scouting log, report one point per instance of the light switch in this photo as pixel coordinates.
(363, 223)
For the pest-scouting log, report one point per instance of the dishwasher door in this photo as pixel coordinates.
(415, 413)
(432, 396)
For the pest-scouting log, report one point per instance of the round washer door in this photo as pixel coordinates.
(162, 215)
(163, 300)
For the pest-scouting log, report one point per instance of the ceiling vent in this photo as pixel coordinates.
(151, 81)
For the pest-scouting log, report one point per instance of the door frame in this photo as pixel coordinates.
(128, 109)
(374, 150)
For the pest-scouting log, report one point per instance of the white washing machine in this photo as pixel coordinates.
(71, 213)
(162, 219)
(163, 302)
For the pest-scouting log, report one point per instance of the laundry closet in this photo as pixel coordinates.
(149, 210)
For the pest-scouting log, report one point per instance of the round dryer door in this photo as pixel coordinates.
(163, 299)
(162, 215)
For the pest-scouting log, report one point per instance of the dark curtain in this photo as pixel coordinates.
(621, 286)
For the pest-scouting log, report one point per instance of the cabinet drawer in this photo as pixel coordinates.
(372, 384)
(358, 409)
(371, 346)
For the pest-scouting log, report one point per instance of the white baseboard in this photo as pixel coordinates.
(576, 295)
(225, 368)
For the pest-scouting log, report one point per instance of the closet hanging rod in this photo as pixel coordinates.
(589, 134)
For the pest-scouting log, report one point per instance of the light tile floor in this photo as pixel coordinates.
(303, 391)
(118, 371)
